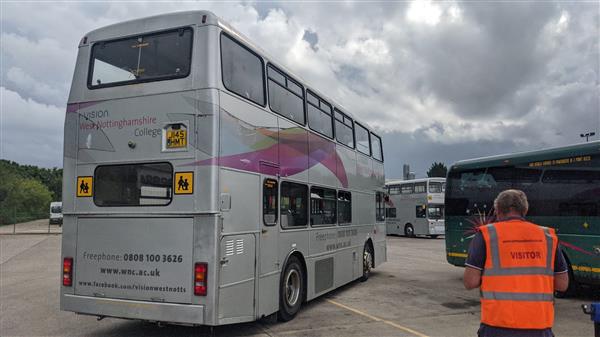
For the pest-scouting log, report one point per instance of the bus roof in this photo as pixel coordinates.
(419, 180)
(529, 156)
(174, 19)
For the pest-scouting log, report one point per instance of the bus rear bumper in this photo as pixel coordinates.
(129, 309)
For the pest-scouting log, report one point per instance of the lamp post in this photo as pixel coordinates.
(587, 135)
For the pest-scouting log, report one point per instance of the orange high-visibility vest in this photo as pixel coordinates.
(517, 282)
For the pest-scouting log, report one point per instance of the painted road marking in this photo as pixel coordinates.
(377, 319)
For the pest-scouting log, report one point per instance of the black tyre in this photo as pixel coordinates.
(433, 236)
(367, 262)
(409, 231)
(291, 290)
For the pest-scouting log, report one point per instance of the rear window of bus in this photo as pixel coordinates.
(133, 185)
(142, 58)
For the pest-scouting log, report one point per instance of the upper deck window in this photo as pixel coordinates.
(242, 70)
(362, 140)
(344, 129)
(286, 96)
(377, 148)
(143, 58)
(319, 115)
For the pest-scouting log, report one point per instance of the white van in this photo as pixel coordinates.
(56, 216)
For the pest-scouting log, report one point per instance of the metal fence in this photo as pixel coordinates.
(13, 221)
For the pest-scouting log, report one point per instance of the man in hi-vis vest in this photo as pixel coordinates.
(517, 266)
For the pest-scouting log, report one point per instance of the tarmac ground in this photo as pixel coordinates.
(415, 293)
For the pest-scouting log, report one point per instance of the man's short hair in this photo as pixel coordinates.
(511, 200)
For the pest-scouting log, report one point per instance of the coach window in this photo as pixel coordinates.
(390, 212)
(379, 206)
(286, 96)
(420, 187)
(322, 207)
(319, 115)
(420, 211)
(435, 187)
(270, 202)
(362, 139)
(242, 70)
(344, 208)
(344, 129)
(376, 145)
(294, 205)
(394, 189)
(406, 188)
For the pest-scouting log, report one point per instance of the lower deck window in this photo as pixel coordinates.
(390, 212)
(133, 185)
(270, 202)
(294, 204)
(344, 207)
(322, 206)
(420, 211)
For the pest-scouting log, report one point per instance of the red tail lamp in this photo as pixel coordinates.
(68, 271)
(200, 276)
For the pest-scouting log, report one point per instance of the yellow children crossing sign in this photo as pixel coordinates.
(184, 182)
(84, 186)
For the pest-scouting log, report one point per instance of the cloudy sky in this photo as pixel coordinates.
(441, 81)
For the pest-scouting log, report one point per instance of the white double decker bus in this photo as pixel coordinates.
(205, 184)
(415, 207)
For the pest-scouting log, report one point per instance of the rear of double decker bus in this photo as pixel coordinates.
(140, 219)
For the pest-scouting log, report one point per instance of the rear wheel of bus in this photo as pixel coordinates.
(367, 262)
(291, 290)
(409, 231)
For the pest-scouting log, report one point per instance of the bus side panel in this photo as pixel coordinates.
(293, 150)
(237, 275)
(364, 170)
(346, 166)
(378, 176)
(206, 246)
(207, 149)
(321, 241)
(248, 136)
(323, 161)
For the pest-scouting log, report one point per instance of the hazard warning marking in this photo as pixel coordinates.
(84, 186)
(184, 182)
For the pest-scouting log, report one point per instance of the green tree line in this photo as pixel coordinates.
(26, 191)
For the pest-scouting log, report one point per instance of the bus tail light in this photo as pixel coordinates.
(200, 276)
(68, 271)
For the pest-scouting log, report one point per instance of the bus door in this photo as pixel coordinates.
(268, 252)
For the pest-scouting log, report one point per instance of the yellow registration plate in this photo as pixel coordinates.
(176, 139)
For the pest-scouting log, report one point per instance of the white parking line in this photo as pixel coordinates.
(377, 319)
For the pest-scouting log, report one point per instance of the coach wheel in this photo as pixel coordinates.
(291, 290)
(409, 231)
(367, 262)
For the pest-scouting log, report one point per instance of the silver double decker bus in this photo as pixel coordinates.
(415, 207)
(205, 184)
